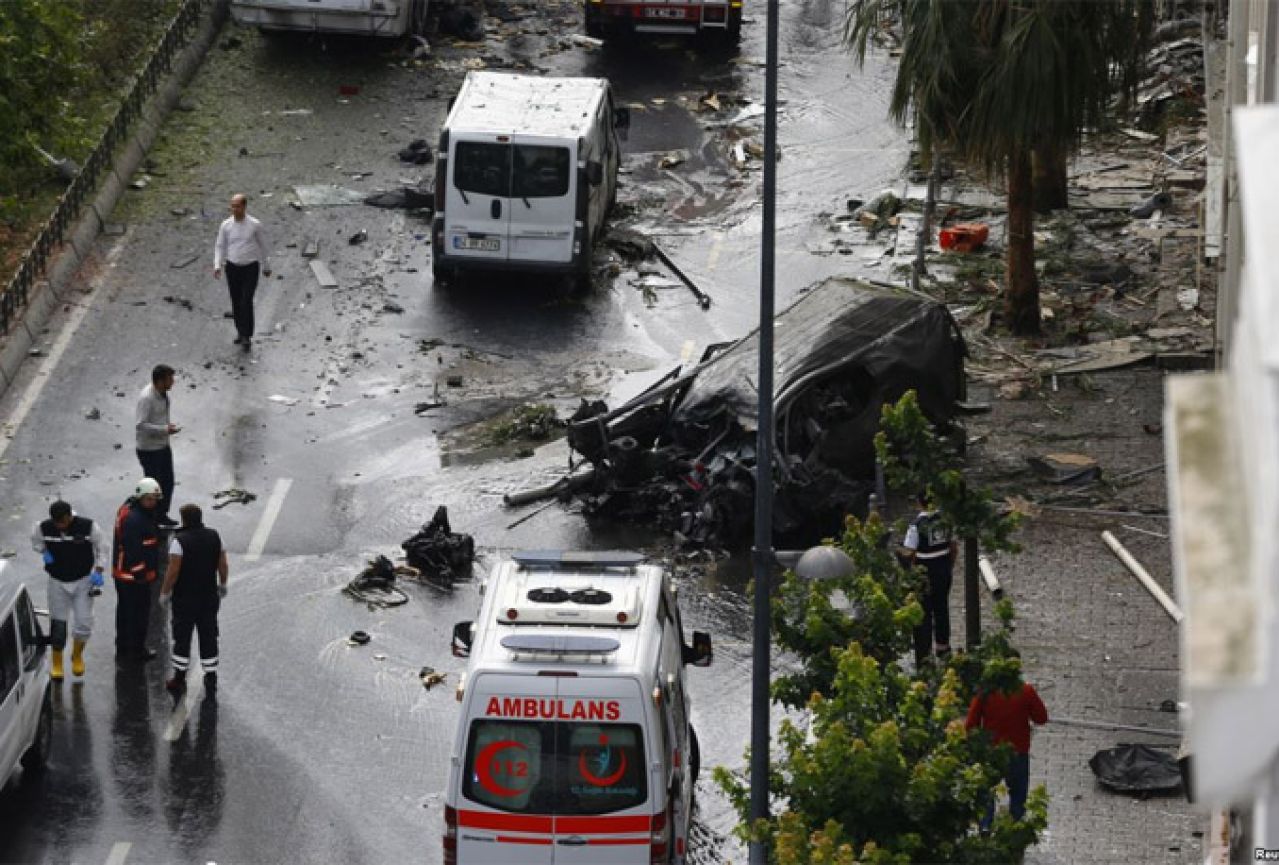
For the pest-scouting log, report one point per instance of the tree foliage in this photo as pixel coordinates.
(880, 770)
(40, 66)
(994, 81)
(915, 459)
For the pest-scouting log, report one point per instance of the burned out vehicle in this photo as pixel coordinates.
(682, 453)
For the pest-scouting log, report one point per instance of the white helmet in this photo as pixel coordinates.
(149, 487)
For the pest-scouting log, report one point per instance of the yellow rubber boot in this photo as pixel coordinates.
(56, 672)
(77, 657)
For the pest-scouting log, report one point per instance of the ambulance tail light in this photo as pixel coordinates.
(450, 835)
(622, 618)
(660, 840)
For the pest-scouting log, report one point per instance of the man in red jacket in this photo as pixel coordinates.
(1006, 710)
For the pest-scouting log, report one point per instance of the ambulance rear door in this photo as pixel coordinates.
(604, 814)
(505, 809)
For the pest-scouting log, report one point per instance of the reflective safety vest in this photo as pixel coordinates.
(135, 556)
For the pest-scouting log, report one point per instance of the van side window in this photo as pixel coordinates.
(8, 657)
(482, 168)
(29, 630)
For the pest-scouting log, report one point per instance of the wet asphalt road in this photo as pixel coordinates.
(314, 750)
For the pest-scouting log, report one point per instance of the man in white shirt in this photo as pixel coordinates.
(242, 249)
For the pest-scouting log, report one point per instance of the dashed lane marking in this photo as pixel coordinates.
(119, 853)
(717, 244)
(182, 711)
(269, 516)
(686, 352)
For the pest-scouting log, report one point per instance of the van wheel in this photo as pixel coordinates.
(694, 753)
(37, 756)
(441, 276)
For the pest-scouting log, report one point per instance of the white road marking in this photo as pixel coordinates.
(712, 258)
(45, 373)
(686, 352)
(119, 852)
(269, 516)
(182, 711)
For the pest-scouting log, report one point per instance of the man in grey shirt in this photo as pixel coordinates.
(153, 432)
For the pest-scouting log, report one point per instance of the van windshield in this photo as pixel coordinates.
(512, 171)
(555, 767)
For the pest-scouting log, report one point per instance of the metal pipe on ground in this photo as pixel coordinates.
(990, 579)
(1155, 590)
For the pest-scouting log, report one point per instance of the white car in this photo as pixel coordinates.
(26, 707)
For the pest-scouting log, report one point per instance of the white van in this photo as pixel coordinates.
(525, 174)
(389, 18)
(26, 702)
(574, 745)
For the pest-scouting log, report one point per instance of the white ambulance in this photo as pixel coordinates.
(574, 745)
(525, 175)
(387, 18)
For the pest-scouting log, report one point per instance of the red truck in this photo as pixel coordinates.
(606, 18)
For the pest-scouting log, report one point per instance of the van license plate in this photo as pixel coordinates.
(484, 244)
(657, 12)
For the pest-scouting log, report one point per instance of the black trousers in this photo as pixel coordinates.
(201, 616)
(158, 465)
(242, 282)
(132, 612)
(935, 628)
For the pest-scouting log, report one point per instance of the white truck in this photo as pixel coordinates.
(525, 174)
(574, 745)
(26, 704)
(606, 18)
(389, 18)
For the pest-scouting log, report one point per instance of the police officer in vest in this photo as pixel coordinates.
(929, 543)
(135, 564)
(194, 584)
(73, 549)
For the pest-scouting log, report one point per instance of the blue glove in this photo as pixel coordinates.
(95, 579)
(48, 557)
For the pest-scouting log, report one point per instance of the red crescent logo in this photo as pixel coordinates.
(608, 781)
(484, 767)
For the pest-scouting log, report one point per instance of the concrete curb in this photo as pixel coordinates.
(46, 295)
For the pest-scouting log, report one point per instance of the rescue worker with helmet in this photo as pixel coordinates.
(135, 565)
(73, 549)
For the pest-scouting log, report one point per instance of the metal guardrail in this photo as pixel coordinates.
(14, 296)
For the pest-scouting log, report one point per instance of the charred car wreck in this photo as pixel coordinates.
(682, 454)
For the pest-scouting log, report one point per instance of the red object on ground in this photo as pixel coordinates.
(348, 89)
(964, 236)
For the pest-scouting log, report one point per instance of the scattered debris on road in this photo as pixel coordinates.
(232, 496)
(430, 678)
(436, 552)
(375, 585)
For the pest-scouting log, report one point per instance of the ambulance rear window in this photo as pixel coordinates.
(555, 767)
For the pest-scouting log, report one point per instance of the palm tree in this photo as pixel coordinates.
(995, 81)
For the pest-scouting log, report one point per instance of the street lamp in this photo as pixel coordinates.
(763, 547)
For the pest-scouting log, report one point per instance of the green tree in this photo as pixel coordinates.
(996, 81)
(39, 68)
(915, 458)
(883, 771)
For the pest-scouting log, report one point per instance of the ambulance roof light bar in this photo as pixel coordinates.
(569, 559)
(564, 644)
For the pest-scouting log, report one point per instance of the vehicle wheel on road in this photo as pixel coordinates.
(417, 18)
(694, 753)
(37, 756)
(440, 275)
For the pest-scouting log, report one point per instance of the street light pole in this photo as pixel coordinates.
(763, 551)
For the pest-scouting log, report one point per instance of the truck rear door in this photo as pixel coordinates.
(543, 199)
(477, 203)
